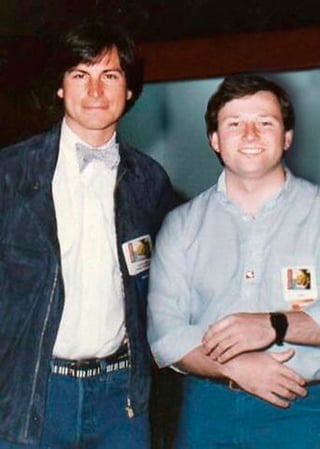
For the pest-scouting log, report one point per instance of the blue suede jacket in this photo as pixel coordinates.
(31, 283)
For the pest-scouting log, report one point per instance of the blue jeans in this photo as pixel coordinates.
(213, 416)
(90, 414)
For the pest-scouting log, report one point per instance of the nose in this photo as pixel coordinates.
(95, 87)
(250, 131)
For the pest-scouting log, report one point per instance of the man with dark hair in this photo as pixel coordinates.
(96, 38)
(240, 85)
(75, 204)
(234, 284)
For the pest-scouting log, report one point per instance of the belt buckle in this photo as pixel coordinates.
(74, 364)
(80, 369)
(233, 386)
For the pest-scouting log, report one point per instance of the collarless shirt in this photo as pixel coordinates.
(92, 323)
(211, 260)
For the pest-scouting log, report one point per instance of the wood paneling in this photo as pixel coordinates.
(216, 56)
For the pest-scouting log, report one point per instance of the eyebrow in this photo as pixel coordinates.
(84, 70)
(263, 115)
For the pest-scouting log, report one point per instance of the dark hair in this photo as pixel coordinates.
(239, 85)
(85, 43)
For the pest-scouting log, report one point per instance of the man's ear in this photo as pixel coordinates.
(60, 92)
(129, 94)
(288, 137)
(214, 142)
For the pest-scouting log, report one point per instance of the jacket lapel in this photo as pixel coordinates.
(35, 189)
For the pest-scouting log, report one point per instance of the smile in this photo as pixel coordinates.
(251, 151)
(94, 108)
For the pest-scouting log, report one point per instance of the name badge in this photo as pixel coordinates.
(137, 254)
(299, 285)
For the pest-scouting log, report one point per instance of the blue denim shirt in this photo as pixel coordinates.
(204, 252)
(31, 283)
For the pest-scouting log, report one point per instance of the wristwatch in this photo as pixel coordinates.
(279, 322)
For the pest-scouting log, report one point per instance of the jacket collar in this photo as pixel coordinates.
(39, 157)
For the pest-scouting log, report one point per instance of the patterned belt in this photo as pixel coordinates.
(91, 367)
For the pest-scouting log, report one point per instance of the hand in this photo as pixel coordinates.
(264, 375)
(238, 333)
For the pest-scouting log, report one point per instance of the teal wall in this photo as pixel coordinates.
(168, 124)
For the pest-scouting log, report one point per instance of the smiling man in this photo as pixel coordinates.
(75, 204)
(95, 96)
(227, 306)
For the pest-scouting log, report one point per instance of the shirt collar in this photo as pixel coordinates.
(268, 205)
(67, 151)
(70, 138)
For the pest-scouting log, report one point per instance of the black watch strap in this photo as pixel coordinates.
(279, 322)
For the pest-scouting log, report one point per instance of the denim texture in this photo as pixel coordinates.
(31, 283)
(89, 414)
(215, 417)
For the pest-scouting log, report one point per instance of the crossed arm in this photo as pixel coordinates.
(243, 332)
(262, 374)
(231, 349)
